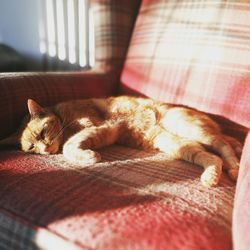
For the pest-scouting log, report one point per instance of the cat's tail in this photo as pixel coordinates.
(10, 142)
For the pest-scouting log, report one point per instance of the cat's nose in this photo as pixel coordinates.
(50, 149)
(47, 149)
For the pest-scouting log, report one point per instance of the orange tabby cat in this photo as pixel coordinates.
(78, 128)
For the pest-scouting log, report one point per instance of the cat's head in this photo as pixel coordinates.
(40, 132)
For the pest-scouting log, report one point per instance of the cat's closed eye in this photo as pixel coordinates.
(31, 147)
(42, 134)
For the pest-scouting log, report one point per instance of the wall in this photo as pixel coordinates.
(19, 28)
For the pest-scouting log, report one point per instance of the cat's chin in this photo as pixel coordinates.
(48, 153)
(52, 149)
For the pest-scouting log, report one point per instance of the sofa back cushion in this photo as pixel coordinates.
(114, 22)
(195, 53)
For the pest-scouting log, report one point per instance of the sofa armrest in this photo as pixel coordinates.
(47, 89)
(241, 214)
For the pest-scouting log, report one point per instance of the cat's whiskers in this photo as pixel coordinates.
(61, 131)
(58, 134)
(51, 131)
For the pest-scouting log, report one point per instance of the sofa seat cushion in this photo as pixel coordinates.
(194, 53)
(130, 200)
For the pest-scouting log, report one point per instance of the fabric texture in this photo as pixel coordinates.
(194, 53)
(241, 218)
(114, 21)
(131, 200)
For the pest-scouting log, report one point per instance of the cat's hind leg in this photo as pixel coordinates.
(226, 148)
(235, 144)
(80, 147)
(200, 128)
(222, 146)
(191, 151)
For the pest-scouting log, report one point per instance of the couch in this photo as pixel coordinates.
(193, 53)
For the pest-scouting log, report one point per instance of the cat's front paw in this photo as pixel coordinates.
(85, 157)
(211, 176)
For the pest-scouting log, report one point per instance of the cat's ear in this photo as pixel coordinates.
(34, 108)
(12, 140)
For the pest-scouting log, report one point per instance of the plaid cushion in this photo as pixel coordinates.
(131, 200)
(114, 21)
(194, 53)
(241, 215)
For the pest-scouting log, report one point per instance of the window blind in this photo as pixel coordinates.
(66, 34)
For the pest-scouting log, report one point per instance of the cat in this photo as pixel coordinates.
(78, 128)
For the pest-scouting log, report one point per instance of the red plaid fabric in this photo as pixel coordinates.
(131, 200)
(195, 53)
(114, 21)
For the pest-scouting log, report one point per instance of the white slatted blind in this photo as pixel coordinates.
(66, 34)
